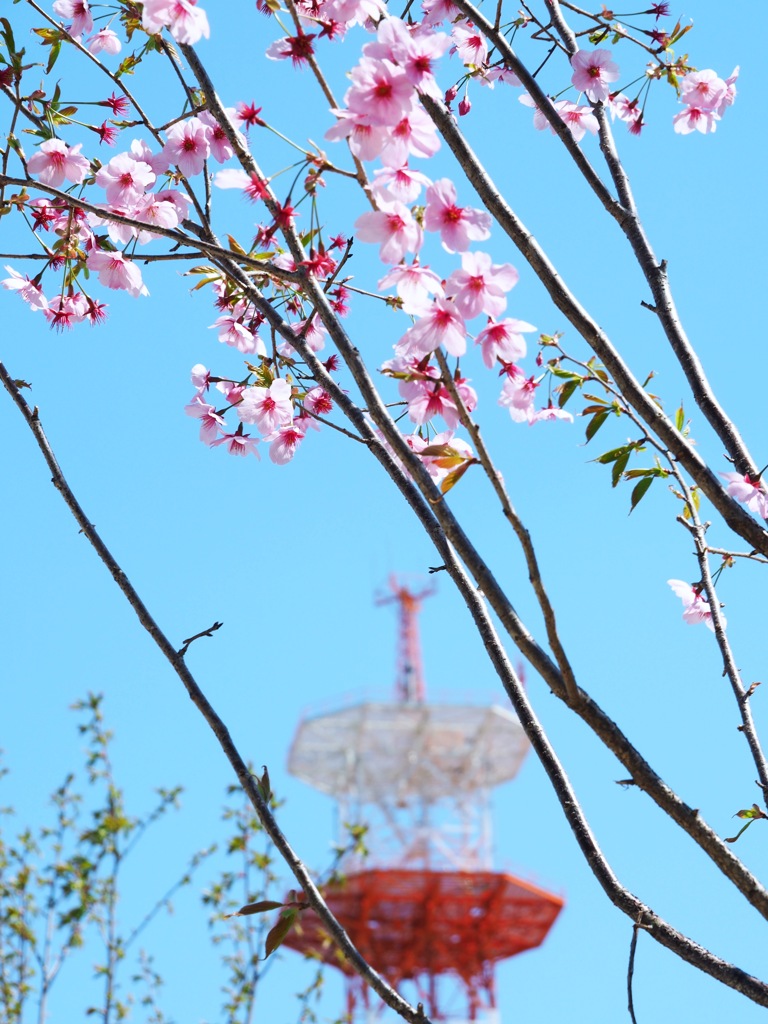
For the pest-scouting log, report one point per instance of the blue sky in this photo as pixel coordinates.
(289, 559)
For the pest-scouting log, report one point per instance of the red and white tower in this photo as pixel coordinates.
(424, 906)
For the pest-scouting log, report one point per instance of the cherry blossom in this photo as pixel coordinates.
(268, 408)
(125, 180)
(695, 605)
(105, 41)
(703, 89)
(695, 119)
(518, 394)
(318, 402)
(115, 271)
(394, 227)
(283, 442)
(188, 146)
(210, 421)
(413, 135)
(399, 183)
(298, 48)
(550, 412)
(380, 90)
(480, 286)
(64, 311)
(55, 161)
(470, 43)
(238, 444)
(742, 488)
(201, 377)
(187, 22)
(29, 291)
(415, 286)
(313, 332)
(232, 331)
(414, 51)
(458, 225)
(441, 325)
(593, 72)
(503, 340)
(366, 140)
(79, 11)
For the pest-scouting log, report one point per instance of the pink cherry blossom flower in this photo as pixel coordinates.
(64, 311)
(380, 90)
(742, 488)
(695, 605)
(233, 332)
(518, 394)
(415, 286)
(703, 89)
(283, 442)
(730, 92)
(458, 225)
(221, 148)
(400, 183)
(503, 340)
(437, 11)
(313, 333)
(441, 325)
(30, 292)
(413, 135)
(80, 13)
(115, 271)
(125, 180)
(550, 412)
(201, 377)
(152, 210)
(318, 402)
(210, 421)
(593, 72)
(414, 51)
(394, 228)
(299, 48)
(499, 73)
(269, 408)
(480, 286)
(695, 119)
(187, 22)
(238, 444)
(54, 161)
(579, 119)
(253, 186)
(366, 140)
(105, 41)
(354, 12)
(188, 146)
(470, 43)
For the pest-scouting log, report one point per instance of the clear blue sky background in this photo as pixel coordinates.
(289, 558)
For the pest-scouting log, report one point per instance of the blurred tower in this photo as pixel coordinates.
(424, 905)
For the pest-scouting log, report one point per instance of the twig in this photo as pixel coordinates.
(190, 640)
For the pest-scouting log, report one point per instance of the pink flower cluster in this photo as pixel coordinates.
(706, 97)
(270, 409)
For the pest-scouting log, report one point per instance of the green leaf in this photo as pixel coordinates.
(53, 56)
(619, 466)
(279, 932)
(680, 418)
(596, 422)
(639, 491)
(567, 390)
(257, 908)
